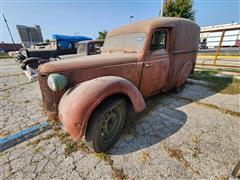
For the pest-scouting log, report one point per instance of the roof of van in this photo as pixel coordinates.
(149, 24)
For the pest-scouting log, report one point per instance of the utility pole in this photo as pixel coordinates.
(9, 32)
(161, 13)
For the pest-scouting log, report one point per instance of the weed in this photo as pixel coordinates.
(178, 155)
(195, 139)
(35, 142)
(2, 153)
(70, 147)
(4, 56)
(55, 125)
(37, 149)
(220, 177)
(104, 157)
(195, 151)
(144, 157)
(210, 106)
(5, 96)
(64, 137)
(4, 133)
(117, 173)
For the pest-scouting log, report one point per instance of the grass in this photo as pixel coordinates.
(237, 70)
(225, 85)
(4, 56)
(210, 106)
(70, 146)
(195, 141)
(220, 54)
(104, 157)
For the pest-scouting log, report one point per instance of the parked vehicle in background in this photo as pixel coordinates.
(41, 53)
(89, 94)
(203, 45)
(86, 48)
(2, 51)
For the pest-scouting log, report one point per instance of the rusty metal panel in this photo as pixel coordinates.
(155, 72)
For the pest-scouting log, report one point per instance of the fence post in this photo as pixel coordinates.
(218, 48)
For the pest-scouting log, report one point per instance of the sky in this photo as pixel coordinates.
(86, 18)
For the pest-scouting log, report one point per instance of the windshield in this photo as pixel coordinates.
(82, 48)
(130, 42)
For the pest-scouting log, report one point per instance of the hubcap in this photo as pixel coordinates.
(110, 123)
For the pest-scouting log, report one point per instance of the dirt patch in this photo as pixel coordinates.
(178, 155)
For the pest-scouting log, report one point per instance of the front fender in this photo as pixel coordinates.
(78, 103)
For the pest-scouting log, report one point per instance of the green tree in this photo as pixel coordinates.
(179, 8)
(47, 41)
(102, 34)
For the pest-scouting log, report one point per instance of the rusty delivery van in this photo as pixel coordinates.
(89, 94)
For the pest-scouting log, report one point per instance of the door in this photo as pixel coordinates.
(156, 64)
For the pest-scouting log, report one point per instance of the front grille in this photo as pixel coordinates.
(47, 94)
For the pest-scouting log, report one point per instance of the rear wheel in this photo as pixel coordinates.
(180, 89)
(106, 124)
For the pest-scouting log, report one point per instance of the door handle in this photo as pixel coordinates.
(147, 65)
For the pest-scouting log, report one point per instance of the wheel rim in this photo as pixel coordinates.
(110, 123)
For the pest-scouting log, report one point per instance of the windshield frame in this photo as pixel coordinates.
(142, 49)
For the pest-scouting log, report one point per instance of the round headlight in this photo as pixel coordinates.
(57, 82)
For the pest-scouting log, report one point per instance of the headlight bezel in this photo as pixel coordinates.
(57, 82)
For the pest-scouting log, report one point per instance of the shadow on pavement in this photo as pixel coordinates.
(161, 119)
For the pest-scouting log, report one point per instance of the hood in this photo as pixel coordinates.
(76, 63)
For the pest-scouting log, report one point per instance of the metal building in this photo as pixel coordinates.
(29, 35)
(229, 33)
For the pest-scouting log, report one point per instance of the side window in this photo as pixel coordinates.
(159, 40)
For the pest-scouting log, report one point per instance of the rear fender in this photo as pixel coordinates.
(78, 103)
(185, 72)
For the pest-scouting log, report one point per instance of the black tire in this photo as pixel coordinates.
(34, 62)
(110, 115)
(23, 66)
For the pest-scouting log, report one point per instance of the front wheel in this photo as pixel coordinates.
(106, 124)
